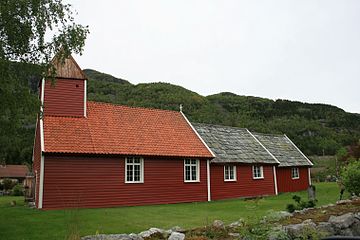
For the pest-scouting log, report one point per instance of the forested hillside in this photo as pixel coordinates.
(315, 128)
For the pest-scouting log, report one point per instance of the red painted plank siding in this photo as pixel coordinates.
(36, 161)
(245, 186)
(89, 182)
(65, 98)
(287, 184)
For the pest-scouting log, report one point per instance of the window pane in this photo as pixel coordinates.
(129, 172)
(226, 172)
(231, 175)
(187, 161)
(193, 173)
(187, 173)
(193, 161)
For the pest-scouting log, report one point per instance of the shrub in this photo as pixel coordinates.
(290, 208)
(18, 190)
(8, 184)
(351, 177)
(300, 204)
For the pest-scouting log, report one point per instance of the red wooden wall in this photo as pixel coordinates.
(245, 186)
(64, 98)
(89, 182)
(287, 184)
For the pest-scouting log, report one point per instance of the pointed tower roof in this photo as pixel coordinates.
(67, 68)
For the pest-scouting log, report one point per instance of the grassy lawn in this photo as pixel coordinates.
(21, 222)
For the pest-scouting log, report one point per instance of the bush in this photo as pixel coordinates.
(18, 190)
(351, 177)
(300, 204)
(8, 184)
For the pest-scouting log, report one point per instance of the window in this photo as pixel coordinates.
(229, 173)
(258, 172)
(295, 173)
(134, 170)
(191, 170)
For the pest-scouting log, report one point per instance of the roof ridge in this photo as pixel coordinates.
(132, 107)
(219, 125)
(269, 134)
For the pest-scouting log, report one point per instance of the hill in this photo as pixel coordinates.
(316, 128)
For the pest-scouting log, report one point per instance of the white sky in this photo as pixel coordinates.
(298, 50)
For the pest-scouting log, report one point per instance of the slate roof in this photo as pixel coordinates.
(122, 130)
(231, 144)
(283, 149)
(13, 171)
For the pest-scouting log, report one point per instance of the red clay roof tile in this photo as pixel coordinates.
(13, 171)
(114, 129)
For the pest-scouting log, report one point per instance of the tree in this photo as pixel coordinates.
(351, 177)
(25, 52)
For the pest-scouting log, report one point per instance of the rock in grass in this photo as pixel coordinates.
(150, 232)
(176, 236)
(218, 224)
(238, 223)
(326, 228)
(296, 230)
(343, 221)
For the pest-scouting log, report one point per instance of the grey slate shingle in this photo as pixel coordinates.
(231, 144)
(282, 148)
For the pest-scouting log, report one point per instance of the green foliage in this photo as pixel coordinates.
(299, 204)
(18, 190)
(25, 55)
(351, 177)
(8, 184)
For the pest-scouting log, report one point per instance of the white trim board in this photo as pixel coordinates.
(263, 146)
(299, 150)
(198, 135)
(275, 181)
(208, 179)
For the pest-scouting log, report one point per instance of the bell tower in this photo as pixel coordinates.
(66, 95)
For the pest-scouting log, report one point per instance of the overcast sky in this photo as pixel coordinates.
(299, 50)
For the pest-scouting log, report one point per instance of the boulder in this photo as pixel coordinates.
(355, 228)
(218, 224)
(296, 230)
(177, 229)
(343, 221)
(176, 236)
(236, 224)
(150, 232)
(326, 228)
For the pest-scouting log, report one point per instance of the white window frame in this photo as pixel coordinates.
(197, 165)
(295, 170)
(261, 172)
(233, 167)
(141, 169)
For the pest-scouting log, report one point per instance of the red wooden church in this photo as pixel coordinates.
(89, 154)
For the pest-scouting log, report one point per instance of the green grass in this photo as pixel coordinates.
(21, 222)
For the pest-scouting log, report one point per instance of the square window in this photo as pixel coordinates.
(191, 170)
(134, 172)
(258, 172)
(229, 173)
(295, 173)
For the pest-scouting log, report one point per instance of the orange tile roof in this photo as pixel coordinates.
(14, 171)
(114, 129)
